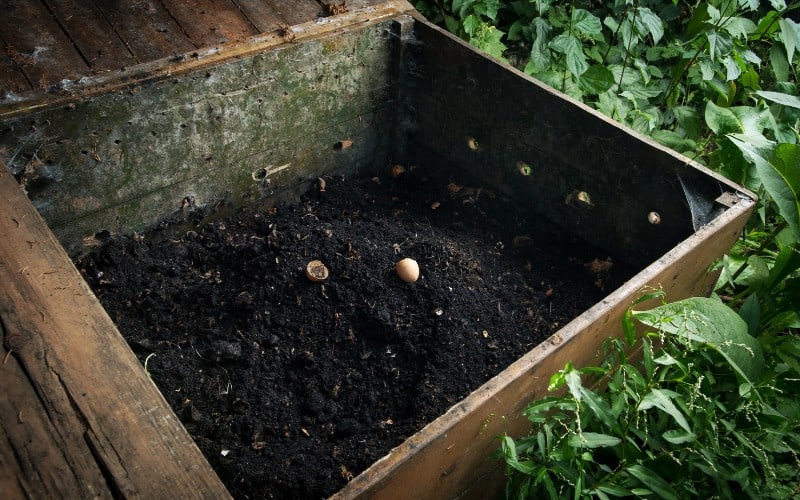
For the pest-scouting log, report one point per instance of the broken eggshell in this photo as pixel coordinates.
(316, 271)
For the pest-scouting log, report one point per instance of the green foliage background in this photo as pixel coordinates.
(716, 80)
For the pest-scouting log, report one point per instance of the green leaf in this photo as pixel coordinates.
(790, 35)
(689, 119)
(592, 440)
(780, 175)
(780, 98)
(660, 399)
(709, 322)
(452, 24)
(612, 106)
(739, 27)
(596, 80)
(721, 120)
(614, 489)
(472, 24)
(779, 63)
(586, 23)
(648, 22)
(573, 379)
(783, 182)
(697, 23)
(653, 481)
(751, 313)
(748, 120)
(599, 407)
(732, 69)
(678, 436)
(572, 49)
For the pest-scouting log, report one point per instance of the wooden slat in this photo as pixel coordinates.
(35, 42)
(261, 14)
(211, 22)
(297, 11)
(79, 417)
(12, 79)
(147, 28)
(89, 30)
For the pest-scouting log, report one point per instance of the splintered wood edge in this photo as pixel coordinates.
(206, 57)
(80, 417)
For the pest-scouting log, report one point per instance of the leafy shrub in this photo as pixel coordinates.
(713, 413)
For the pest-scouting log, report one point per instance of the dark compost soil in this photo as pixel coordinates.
(291, 387)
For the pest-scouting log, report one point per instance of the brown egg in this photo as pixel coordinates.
(316, 271)
(407, 270)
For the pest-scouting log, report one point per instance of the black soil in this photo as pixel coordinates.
(291, 388)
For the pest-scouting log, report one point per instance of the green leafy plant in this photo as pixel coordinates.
(713, 413)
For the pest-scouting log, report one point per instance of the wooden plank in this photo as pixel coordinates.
(147, 29)
(12, 79)
(80, 418)
(208, 23)
(92, 34)
(37, 45)
(261, 15)
(297, 11)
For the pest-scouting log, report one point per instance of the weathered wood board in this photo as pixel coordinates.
(50, 47)
(79, 417)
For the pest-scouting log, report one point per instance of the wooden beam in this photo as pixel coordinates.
(79, 417)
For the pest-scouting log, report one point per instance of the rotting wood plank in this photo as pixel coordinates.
(91, 33)
(297, 11)
(37, 45)
(12, 79)
(147, 29)
(262, 15)
(80, 417)
(208, 23)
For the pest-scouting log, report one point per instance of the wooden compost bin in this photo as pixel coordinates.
(259, 121)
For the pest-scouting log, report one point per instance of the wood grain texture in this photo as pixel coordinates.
(80, 418)
(35, 42)
(261, 14)
(91, 33)
(208, 23)
(147, 28)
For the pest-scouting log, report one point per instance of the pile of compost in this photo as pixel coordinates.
(292, 387)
